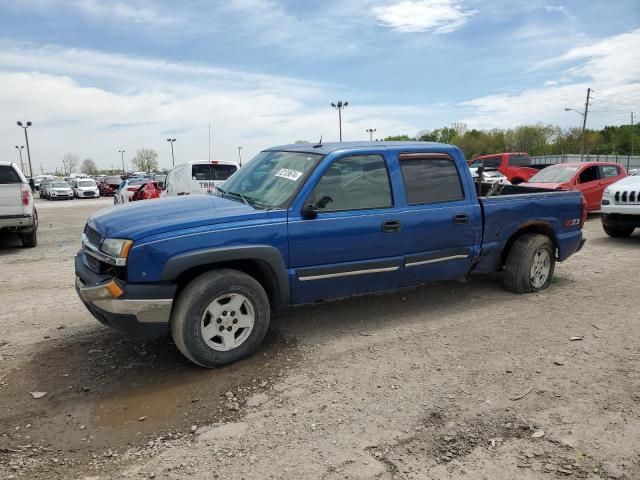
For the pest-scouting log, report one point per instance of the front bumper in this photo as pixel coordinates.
(55, 196)
(139, 310)
(620, 220)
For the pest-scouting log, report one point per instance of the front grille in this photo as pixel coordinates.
(89, 194)
(626, 196)
(93, 236)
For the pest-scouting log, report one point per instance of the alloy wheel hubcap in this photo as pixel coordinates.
(540, 268)
(227, 322)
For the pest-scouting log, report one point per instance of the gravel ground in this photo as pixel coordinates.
(450, 381)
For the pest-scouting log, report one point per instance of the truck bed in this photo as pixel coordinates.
(509, 208)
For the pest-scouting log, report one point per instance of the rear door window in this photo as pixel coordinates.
(430, 179)
(609, 171)
(8, 175)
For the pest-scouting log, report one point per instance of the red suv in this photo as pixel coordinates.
(516, 166)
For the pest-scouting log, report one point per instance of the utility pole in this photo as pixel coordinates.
(584, 122)
(370, 132)
(339, 106)
(240, 155)
(121, 152)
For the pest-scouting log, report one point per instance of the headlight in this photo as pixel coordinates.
(116, 247)
(607, 191)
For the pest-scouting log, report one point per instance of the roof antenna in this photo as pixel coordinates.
(319, 144)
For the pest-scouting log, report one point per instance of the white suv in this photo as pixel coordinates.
(17, 211)
(621, 206)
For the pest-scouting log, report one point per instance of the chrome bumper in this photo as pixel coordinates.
(145, 310)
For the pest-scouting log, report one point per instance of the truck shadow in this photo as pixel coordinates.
(106, 391)
(10, 243)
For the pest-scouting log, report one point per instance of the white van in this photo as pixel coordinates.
(199, 176)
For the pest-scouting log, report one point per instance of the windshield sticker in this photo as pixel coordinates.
(292, 175)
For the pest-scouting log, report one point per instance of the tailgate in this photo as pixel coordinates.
(11, 199)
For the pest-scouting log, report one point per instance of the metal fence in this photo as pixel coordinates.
(628, 161)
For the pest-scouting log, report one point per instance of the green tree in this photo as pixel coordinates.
(398, 138)
(146, 160)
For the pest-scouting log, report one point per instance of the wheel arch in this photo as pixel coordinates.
(263, 263)
(539, 227)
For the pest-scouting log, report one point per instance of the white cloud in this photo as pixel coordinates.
(610, 66)
(555, 9)
(439, 16)
(94, 103)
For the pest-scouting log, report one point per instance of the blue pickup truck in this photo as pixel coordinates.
(307, 223)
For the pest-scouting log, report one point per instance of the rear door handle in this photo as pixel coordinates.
(391, 226)
(460, 219)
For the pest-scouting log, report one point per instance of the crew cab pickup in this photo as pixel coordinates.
(17, 210)
(301, 224)
(516, 166)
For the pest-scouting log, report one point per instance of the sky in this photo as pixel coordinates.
(96, 76)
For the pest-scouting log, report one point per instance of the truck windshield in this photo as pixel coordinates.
(271, 178)
(555, 174)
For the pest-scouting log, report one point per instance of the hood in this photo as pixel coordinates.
(551, 186)
(87, 188)
(627, 182)
(142, 219)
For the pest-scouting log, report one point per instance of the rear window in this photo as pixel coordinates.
(113, 180)
(9, 175)
(212, 171)
(430, 180)
(516, 160)
(609, 171)
(490, 162)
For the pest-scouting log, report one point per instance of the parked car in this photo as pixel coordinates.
(198, 177)
(589, 178)
(85, 188)
(60, 191)
(147, 191)
(44, 187)
(516, 166)
(128, 188)
(621, 206)
(490, 175)
(17, 210)
(304, 223)
(108, 185)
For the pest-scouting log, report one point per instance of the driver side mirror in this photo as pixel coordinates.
(310, 211)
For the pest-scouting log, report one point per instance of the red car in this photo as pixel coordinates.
(147, 191)
(516, 166)
(590, 178)
(109, 185)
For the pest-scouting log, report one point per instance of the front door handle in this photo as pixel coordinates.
(391, 226)
(460, 219)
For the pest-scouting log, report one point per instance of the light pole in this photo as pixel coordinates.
(240, 155)
(20, 147)
(370, 132)
(173, 160)
(26, 139)
(339, 106)
(121, 152)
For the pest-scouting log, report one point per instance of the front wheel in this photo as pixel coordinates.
(220, 317)
(618, 232)
(530, 264)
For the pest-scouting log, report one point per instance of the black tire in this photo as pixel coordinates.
(189, 309)
(517, 181)
(517, 273)
(618, 232)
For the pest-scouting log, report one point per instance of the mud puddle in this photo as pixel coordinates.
(106, 393)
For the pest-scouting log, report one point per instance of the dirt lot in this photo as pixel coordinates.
(451, 381)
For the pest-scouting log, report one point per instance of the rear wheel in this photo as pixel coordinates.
(618, 232)
(30, 239)
(220, 317)
(530, 264)
(517, 181)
